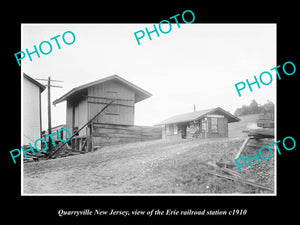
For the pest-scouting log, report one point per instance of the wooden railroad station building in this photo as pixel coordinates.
(208, 123)
(116, 123)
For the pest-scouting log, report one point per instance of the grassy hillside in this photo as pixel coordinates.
(247, 121)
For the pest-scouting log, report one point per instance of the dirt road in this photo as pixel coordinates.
(159, 166)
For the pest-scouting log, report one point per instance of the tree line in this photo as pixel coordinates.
(255, 108)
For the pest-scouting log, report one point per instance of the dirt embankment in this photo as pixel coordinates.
(160, 166)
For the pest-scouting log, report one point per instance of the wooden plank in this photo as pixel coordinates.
(242, 147)
(266, 124)
(266, 116)
(113, 134)
(84, 143)
(117, 99)
(132, 106)
(90, 121)
(262, 133)
(115, 139)
(151, 134)
(115, 126)
(227, 165)
(231, 172)
(74, 153)
(125, 135)
(116, 129)
(259, 143)
(241, 181)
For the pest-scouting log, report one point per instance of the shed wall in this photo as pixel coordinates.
(222, 128)
(69, 119)
(77, 113)
(109, 134)
(120, 112)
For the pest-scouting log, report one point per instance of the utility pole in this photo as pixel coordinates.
(49, 106)
(49, 112)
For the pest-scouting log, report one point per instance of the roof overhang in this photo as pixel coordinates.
(140, 94)
(193, 116)
(41, 86)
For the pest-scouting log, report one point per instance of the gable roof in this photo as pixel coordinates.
(140, 94)
(187, 117)
(41, 86)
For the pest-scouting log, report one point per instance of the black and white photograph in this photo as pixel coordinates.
(161, 117)
(137, 115)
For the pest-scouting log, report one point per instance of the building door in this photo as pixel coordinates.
(203, 128)
(183, 130)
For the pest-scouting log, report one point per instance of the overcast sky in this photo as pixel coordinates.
(194, 64)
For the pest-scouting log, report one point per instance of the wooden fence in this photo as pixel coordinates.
(109, 134)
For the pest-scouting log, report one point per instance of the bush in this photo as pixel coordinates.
(255, 108)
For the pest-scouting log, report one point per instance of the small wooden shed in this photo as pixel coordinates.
(208, 123)
(116, 123)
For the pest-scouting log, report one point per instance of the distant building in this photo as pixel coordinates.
(32, 119)
(116, 123)
(208, 123)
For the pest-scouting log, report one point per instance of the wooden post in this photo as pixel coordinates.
(49, 106)
(49, 115)
(242, 148)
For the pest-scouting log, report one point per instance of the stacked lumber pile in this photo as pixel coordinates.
(234, 176)
(263, 172)
(109, 134)
(226, 169)
(33, 157)
(266, 130)
(65, 151)
(260, 175)
(266, 120)
(261, 133)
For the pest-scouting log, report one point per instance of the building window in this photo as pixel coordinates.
(204, 125)
(167, 129)
(214, 125)
(175, 129)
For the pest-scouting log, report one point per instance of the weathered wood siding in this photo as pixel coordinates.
(108, 134)
(120, 112)
(77, 113)
(222, 128)
(83, 114)
(69, 119)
